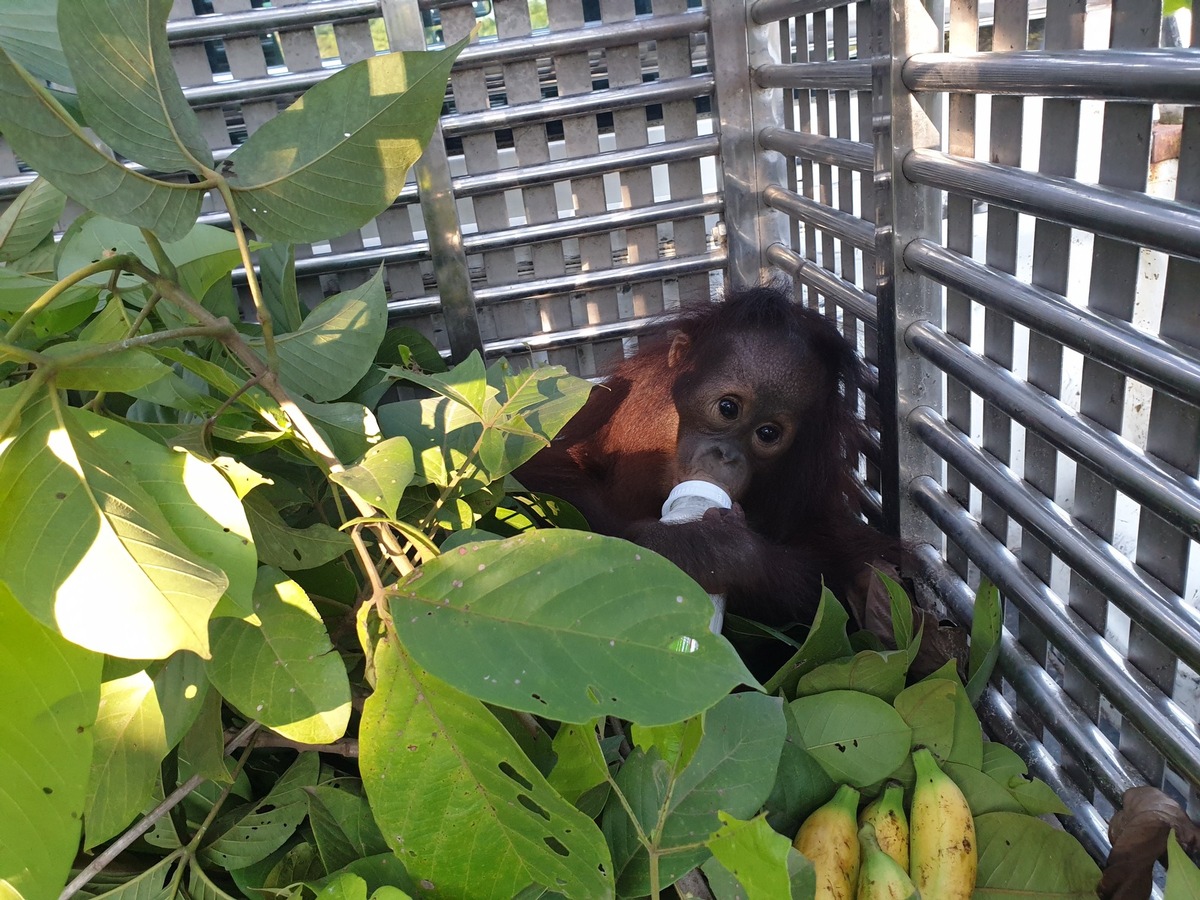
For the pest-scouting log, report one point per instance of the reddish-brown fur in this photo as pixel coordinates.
(617, 459)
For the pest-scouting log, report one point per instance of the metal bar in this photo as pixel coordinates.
(1036, 687)
(854, 299)
(1114, 342)
(738, 49)
(438, 206)
(664, 91)
(1172, 494)
(1167, 75)
(1161, 613)
(1120, 214)
(819, 148)
(844, 225)
(263, 21)
(1131, 693)
(831, 75)
(766, 11)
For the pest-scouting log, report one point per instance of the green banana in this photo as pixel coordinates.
(880, 877)
(942, 850)
(829, 839)
(886, 815)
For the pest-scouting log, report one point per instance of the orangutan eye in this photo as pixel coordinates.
(728, 408)
(768, 434)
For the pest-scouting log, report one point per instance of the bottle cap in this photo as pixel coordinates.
(697, 488)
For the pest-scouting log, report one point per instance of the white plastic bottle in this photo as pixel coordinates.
(688, 502)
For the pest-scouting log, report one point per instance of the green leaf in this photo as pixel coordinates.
(869, 671)
(342, 823)
(568, 625)
(255, 832)
(348, 428)
(465, 384)
(1170, 7)
(288, 548)
(443, 435)
(44, 135)
(458, 801)
(580, 765)
(826, 642)
(1183, 877)
(30, 35)
(801, 785)
(202, 749)
(105, 567)
(380, 870)
(181, 687)
(733, 770)
(858, 739)
(968, 735)
(282, 672)
(49, 691)
(1034, 796)
(382, 476)
(130, 94)
(18, 291)
(420, 350)
(131, 742)
(676, 743)
(984, 794)
(123, 370)
(1019, 854)
(202, 887)
(338, 156)
(928, 708)
(277, 278)
(755, 855)
(30, 217)
(335, 346)
(986, 628)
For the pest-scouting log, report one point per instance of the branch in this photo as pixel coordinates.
(38, 305)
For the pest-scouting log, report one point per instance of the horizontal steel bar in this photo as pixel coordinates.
(1119, 214)
(826, 150)
(1083, 738)
(842, 225)
(1164, 367)
(266, 20)
(1172, 494)
(580, 167)
(1133, 695)
(1165, 616)
(765, 12)
(1167, 75)
(667, 90)
(850, 297)
(1086, 824)
(572, 337)
(827, 75)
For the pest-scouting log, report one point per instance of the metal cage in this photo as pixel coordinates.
(999, 205)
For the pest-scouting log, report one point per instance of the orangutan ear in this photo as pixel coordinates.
(681, 346)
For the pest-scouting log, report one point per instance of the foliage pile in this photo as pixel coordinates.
(266, 629)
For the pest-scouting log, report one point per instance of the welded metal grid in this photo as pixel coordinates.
(1035, 280)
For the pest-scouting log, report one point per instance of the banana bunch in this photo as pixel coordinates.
(942, 847)
(879, 856)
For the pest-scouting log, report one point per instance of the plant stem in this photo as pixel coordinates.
(221, 328)
(264, 313)
(38, 305)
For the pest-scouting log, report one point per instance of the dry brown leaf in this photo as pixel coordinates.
(1138, 833)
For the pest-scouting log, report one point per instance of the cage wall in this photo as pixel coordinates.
(1001, 202)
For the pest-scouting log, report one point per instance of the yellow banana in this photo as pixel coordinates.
(943, 856)
(886, 815)
(829, 839)
(880, 877)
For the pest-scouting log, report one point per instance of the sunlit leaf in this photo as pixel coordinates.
(382, 476)
(757, 856)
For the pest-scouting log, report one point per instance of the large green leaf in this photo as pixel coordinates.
(289, 548)
(580, 766)
(49, 691)
(30, 35)
(342, 823)
(382, 476)
(45, 136)
(762, 860)
(1023, 856)
(459, 802)
(335, 346)
(733, 770)
(967, 747)
(858, 739)
(338, 156)
(29, 218)
(880, 674)
(127, 84)
(569, 625)
(1183, 876)
(98, 559)
(131, 741)
(825, 643)
(282, 671)
(928, 708)
(125, 370)
(801, 785)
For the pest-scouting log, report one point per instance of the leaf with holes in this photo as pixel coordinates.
(858, 739)
(282, 671)
(287, 548)
(44, 135)
(49, 691)
(568, 625)
(130, 94)
(459, 802)
(338, 156)
(1021, 855)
